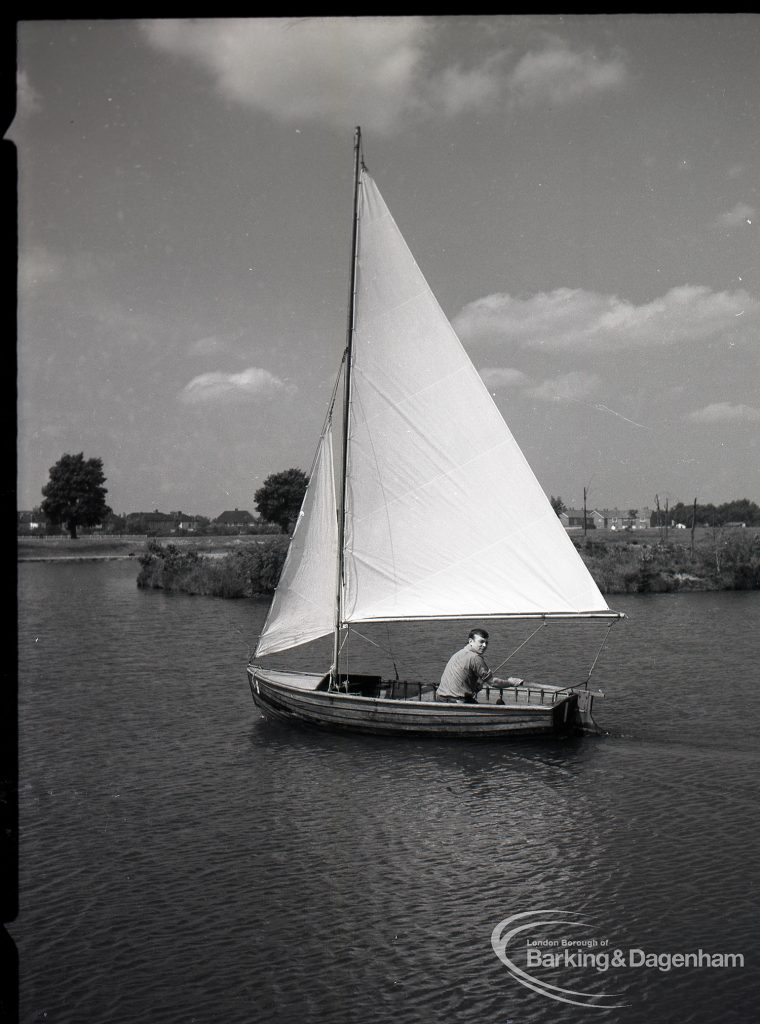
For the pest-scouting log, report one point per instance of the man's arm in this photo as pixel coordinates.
(483, 672)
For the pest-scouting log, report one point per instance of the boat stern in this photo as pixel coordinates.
(574, 714)
(582, 712)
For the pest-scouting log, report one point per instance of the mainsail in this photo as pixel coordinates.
(444, 517)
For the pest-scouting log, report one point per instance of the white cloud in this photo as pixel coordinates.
(725, 412)
(567, 387)
(456, 90)
(740, 214)
(210, 387)
(573, 318)
(502, 377)
(373, 71)
(341, 70)
(559, 75)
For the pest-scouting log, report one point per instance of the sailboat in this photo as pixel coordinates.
(433, 514)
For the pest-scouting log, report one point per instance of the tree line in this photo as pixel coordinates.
(75, 495)
(741, 510)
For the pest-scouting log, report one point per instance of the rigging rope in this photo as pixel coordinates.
(390, 649)
(544, 623)
(246, 640)
(385, 650)
(331, 403)
(601, 648)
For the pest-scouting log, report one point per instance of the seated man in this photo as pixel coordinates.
(466, 672)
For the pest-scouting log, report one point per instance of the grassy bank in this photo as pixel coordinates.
(250, 571)
(94, 546)
(648, 562)
(621, 563)
(46, 549)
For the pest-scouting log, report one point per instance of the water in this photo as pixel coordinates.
(183, 860)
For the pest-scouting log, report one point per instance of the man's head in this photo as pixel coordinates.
(477, 640)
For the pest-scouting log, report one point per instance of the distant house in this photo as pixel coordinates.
(237, 518)
(572, 519)
(188, 524)
(151, 522)
(114, 523)
(616, 519)
(31, 521)
(608, 518)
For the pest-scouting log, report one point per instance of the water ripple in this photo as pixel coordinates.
(184, 860)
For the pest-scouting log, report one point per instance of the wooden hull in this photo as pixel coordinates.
(303, 699)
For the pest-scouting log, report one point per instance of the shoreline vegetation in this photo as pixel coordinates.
(643, 562)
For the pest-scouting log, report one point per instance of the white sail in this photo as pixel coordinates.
(444, 516)
(303, 607)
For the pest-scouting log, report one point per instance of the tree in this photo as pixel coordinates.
(75, 495)
(558, 505)
(741, 510)
(279, 497)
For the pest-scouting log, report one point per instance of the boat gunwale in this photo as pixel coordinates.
(395, 702)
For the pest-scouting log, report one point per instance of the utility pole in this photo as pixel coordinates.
(584, 511)
(693, 525)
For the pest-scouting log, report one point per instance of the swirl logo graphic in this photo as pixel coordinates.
(508, 930)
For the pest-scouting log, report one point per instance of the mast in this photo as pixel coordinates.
(342, 488)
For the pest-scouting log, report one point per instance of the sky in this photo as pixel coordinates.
(581, 193)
